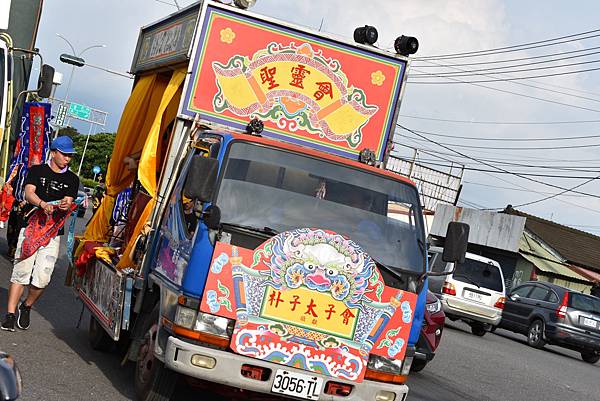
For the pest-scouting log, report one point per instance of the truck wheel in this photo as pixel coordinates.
(418, 365)
(478, 329)
(535, 335)
(153, 381)
(98, 338)
(590, 357)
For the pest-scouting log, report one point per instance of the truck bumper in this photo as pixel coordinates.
(227, 371)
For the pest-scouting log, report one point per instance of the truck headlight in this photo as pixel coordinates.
(185, 317)
(434, 307)
(383, 364)
(216, 325)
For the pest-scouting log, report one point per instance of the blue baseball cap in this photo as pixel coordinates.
(63, 144)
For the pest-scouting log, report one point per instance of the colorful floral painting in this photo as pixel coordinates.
(310, 299)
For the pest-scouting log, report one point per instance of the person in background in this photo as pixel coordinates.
(50, 190)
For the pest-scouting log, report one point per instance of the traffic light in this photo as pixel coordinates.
(45, 81)
(69, 59)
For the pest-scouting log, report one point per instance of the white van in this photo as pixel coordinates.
(474, 292)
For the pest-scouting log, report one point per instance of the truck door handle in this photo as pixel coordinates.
(537, 304)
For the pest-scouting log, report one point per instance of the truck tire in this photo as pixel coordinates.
(153, 381)
(535, 334)
(98, 338)
(418, 365)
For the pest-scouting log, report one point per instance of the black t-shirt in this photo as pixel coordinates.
(51, 186)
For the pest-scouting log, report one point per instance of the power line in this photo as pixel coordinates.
(521, 94)
(529, 157)
(517, 189)
(559, 168)
(517, 148)
(558, 194)
(510, 60)
(499, 168)
(469, 73)
(513, 48)
(506, 79)
(510, 139)
(518, 173)
(522, 84)
(446, 120)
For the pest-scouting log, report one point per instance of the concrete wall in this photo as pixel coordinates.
(491, 229)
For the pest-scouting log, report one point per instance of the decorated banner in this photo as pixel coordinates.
(31, 148)
(306, 89)
(309, 299)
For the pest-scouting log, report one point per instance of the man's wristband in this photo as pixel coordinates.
(40, 204)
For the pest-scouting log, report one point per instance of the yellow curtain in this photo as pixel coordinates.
(147, 169)
(165, 114)
(131, 135)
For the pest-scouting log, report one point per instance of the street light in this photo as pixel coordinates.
(77, 55)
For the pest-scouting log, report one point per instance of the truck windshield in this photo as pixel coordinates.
(266, 187)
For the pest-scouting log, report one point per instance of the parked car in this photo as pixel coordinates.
(10, 378)
(431, 333)
(552, 314)
(473, 292)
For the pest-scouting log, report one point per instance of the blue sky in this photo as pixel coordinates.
(442, 27)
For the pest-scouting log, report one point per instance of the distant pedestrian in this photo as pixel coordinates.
(50, 190)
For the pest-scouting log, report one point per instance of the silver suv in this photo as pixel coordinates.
(474, 292)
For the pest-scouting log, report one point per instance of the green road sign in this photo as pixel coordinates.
(79, 111)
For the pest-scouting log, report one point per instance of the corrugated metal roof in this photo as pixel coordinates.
(534, 252)
(577, 247)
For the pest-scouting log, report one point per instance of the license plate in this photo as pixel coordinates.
(589, 322)
(473, 296)
(297, 384)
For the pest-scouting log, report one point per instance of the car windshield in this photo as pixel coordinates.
(266, 187)
(479, 273)
(585, 303)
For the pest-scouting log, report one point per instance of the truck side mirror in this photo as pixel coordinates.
(455, 245)
(201, 178)
(45, 81)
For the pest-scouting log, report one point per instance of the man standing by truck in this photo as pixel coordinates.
(50, 190)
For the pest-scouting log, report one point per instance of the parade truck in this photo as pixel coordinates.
(250, 240)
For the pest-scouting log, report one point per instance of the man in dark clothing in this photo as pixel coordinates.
(50, 190)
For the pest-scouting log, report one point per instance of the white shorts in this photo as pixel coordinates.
(36, 269)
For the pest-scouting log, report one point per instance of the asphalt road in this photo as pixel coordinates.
(57, 364)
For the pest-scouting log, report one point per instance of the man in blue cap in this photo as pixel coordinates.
(50, 190)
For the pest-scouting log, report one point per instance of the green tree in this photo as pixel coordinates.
(68, 131)
(98, 152)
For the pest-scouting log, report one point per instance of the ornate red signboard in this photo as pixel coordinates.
(307, 89)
